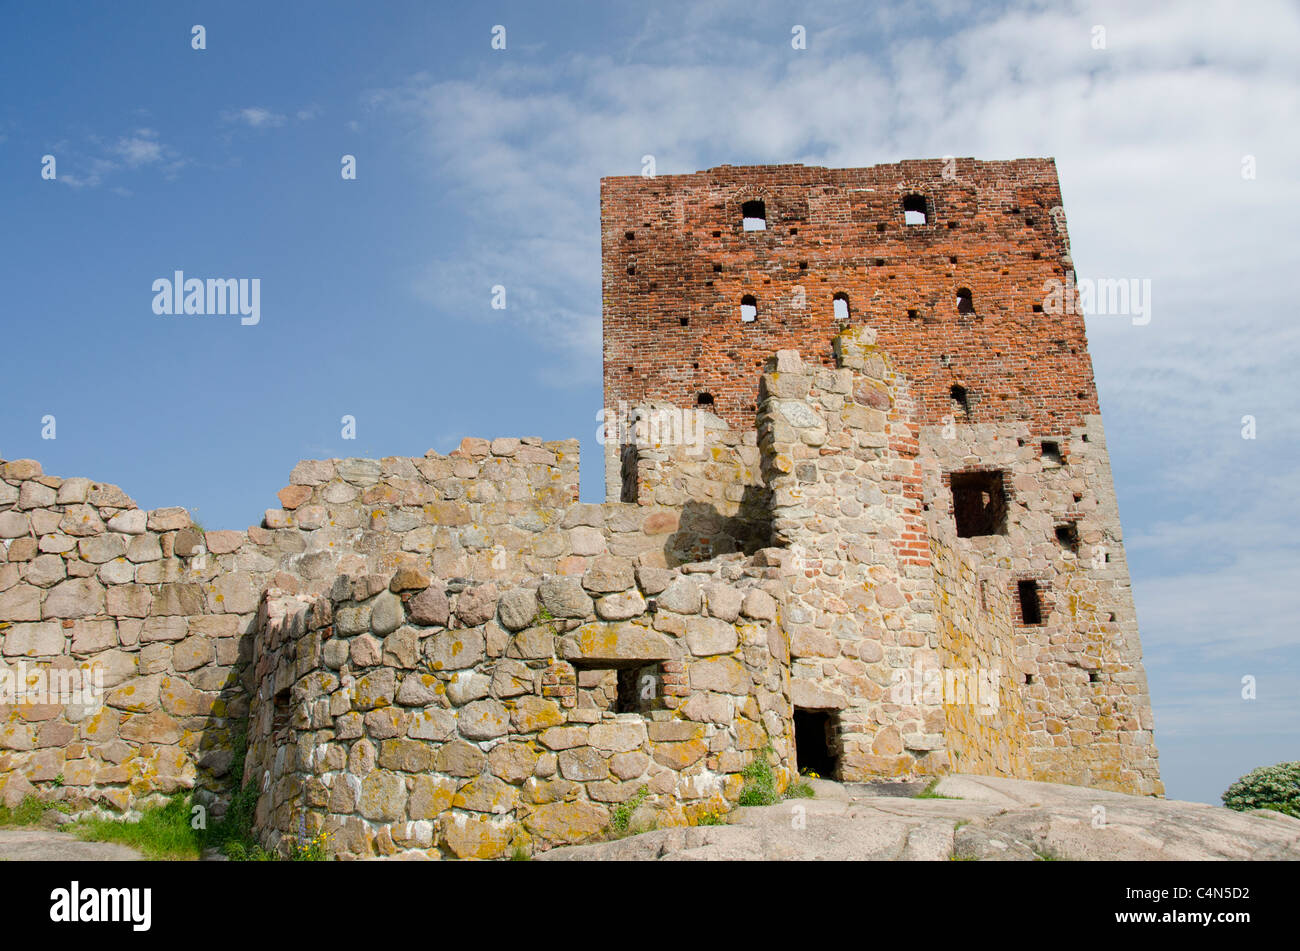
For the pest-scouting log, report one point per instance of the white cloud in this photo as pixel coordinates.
(142, 148)
(101, 160)
(255, 116)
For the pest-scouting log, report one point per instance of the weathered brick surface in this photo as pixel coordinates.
(673, 327)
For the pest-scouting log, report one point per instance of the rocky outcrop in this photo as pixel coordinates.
(995, 819)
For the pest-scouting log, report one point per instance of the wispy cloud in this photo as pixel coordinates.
(101, 159)
(255, 117)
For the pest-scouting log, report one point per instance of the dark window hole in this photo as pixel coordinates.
(1031, 610)
(979, 503)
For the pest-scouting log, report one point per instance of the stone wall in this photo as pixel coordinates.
(161, 611)
(692, 462)
(410, 715)
(144, 606)
(982, 666)
(840, 452)
(1086, 704)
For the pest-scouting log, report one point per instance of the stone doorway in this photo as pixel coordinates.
(815, 736)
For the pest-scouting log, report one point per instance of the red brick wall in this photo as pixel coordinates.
(842, 230)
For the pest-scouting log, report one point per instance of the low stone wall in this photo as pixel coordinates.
(158, 613)
(141, 610)
(409, 714)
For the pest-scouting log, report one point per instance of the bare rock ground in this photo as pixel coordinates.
(994, 819)
(44, 845)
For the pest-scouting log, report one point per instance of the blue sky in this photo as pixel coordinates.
(478, 167)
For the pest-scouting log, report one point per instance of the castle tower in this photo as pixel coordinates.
(952, 271)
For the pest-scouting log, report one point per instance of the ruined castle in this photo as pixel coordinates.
(859, 520)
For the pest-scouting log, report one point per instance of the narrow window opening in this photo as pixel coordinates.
(979, 503)
(628, 471)
(748, 309)
(684, 321)
(912, 314)
(1067, 534)
(840, 306)
(753, 216)
(281, 716)
(637, 689)
(1094, 677)
(703, 399)
(717, 268)
(1029, 680)
(815, 742)
(960, 400)
(629, 235)
(1031, 610)
(914, 212)
(1038, 308)
(1052, 452)
(803, 265)
(965, 301)
(631, 270)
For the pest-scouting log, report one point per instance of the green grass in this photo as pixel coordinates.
(618, 822)
(26, 813)
(760, 781)
(163, 832)
(800, 790)
(168, 832)
(929, 793)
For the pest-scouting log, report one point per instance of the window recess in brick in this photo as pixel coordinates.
(1030, 604)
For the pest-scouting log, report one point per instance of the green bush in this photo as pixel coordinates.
(623, 813)
(1268, 787)
(760, 781)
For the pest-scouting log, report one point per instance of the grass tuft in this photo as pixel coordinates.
(26, 813)
(929, 793)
